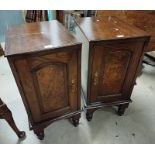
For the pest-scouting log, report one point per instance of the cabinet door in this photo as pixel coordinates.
(50, 83)
(113, 70)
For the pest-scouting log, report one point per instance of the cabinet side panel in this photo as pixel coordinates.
(22, 93)
(27, 87)
(84, 59)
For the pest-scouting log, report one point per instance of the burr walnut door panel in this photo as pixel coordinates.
(49, 83)
(113, 68)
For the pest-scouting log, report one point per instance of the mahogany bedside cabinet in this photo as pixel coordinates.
(112, 51)
(45, 60)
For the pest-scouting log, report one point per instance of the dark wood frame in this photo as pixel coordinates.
(6, 114)
(1, 50)
(60, 16)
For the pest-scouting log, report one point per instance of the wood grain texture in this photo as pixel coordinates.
(53, 89)
(34, 37)
(143, 19)
(108, 28)
(115, 65)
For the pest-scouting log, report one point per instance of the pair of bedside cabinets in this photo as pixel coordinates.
(51, 66)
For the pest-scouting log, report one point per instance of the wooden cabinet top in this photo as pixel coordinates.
(33, 37)
(108, 28)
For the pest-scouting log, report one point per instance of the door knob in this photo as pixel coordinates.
(95, 78)
(73, 86)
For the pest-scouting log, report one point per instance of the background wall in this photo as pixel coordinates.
(9, 17)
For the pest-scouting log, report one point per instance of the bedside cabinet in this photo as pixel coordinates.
(45, 60)
(112, 51)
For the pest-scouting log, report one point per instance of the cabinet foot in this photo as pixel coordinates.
(89, 114)
(75, 120)
(22, 134)
(40, 134)
(122, 108)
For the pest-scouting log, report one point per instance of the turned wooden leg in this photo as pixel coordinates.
(40, 133)
(6, 114)
(121, 109)
(1, 50)
(89, 114)
(75, 119)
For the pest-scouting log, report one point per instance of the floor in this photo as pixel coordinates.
(136, 126)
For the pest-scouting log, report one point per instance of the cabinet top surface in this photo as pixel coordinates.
(40, 36)
(108, 28)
